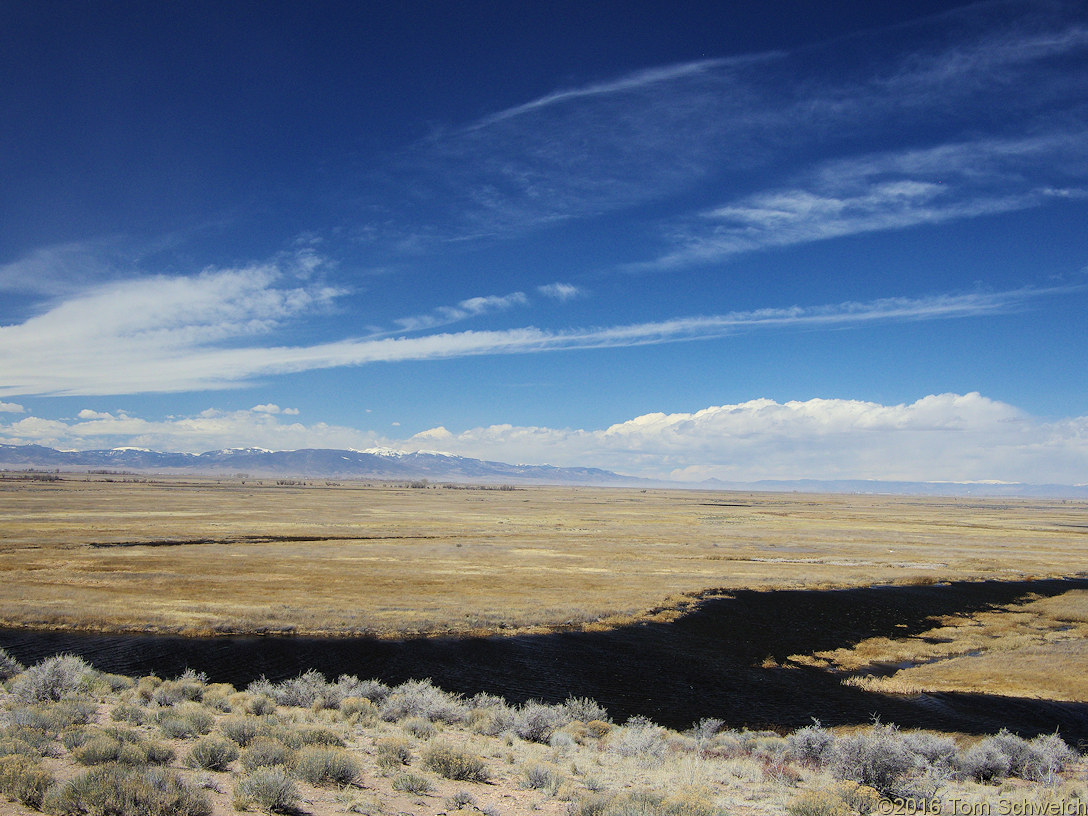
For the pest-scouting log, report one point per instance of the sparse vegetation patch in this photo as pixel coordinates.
(71, 757)
(455, 763)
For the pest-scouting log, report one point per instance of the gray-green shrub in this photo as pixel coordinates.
(810, 744)
(265, 752)
(1006, 754)
(212, 754)
(421, 698)
(461, 799)
(72, 738)
(218, 696)
(114, 682)
(312, 690)
(9, 666)
(706, 728)
(24, 779)
(270, 788)
(325, 766)
(487, 702)
(419, 727)
(118, 791)
(494, 721)
(374, 690)
(639, 737)
(584, 709)
(127, 712)
(540, 776)
(241, 729)
(877, 758)
(938, 752)
(644, 803)
(32, 717)
(1049, 755)
(102, 749)
(52, 718)
(491, 715)
(21, 739)
(18, 747)
(262, 687)
(159, 753)
(358, 707)
(317, 735)
(186, 721)
(128, 747)
(536, 721)
(409, 782)
(562, 741)
(455, 763)
(51, 679)
(348, 686)
(172, 692)
(145, 687)
(260, 705)
(393, 752)
(304, 690)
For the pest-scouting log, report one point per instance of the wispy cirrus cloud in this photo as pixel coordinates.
(470, 307)
(888, 191)
(570, 154)
(561, 291)
(635, 82)
(157, 335)
(272, 408)
(63, 268)
(999, 78)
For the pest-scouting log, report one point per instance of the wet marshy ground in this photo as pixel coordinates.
(708, 663)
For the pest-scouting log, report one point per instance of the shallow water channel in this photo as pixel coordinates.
(704, 664)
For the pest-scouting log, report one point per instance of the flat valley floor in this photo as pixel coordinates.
(231, 556)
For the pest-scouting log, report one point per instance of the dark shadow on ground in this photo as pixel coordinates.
(705, 664)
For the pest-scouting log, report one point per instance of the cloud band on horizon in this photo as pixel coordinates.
(940, 437)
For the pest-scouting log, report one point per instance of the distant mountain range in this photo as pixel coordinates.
(376, 463)
(388, 464)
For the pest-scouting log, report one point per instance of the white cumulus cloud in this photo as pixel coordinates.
(940, 437)
(209, 430)
(87, 413)
(944, 437)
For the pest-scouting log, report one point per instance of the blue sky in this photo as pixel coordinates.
(776, 240)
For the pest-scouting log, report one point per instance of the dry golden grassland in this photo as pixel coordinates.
(204, 555)
(1038, 648)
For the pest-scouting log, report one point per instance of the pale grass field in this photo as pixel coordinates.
(1038, 648)
(391, 561)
